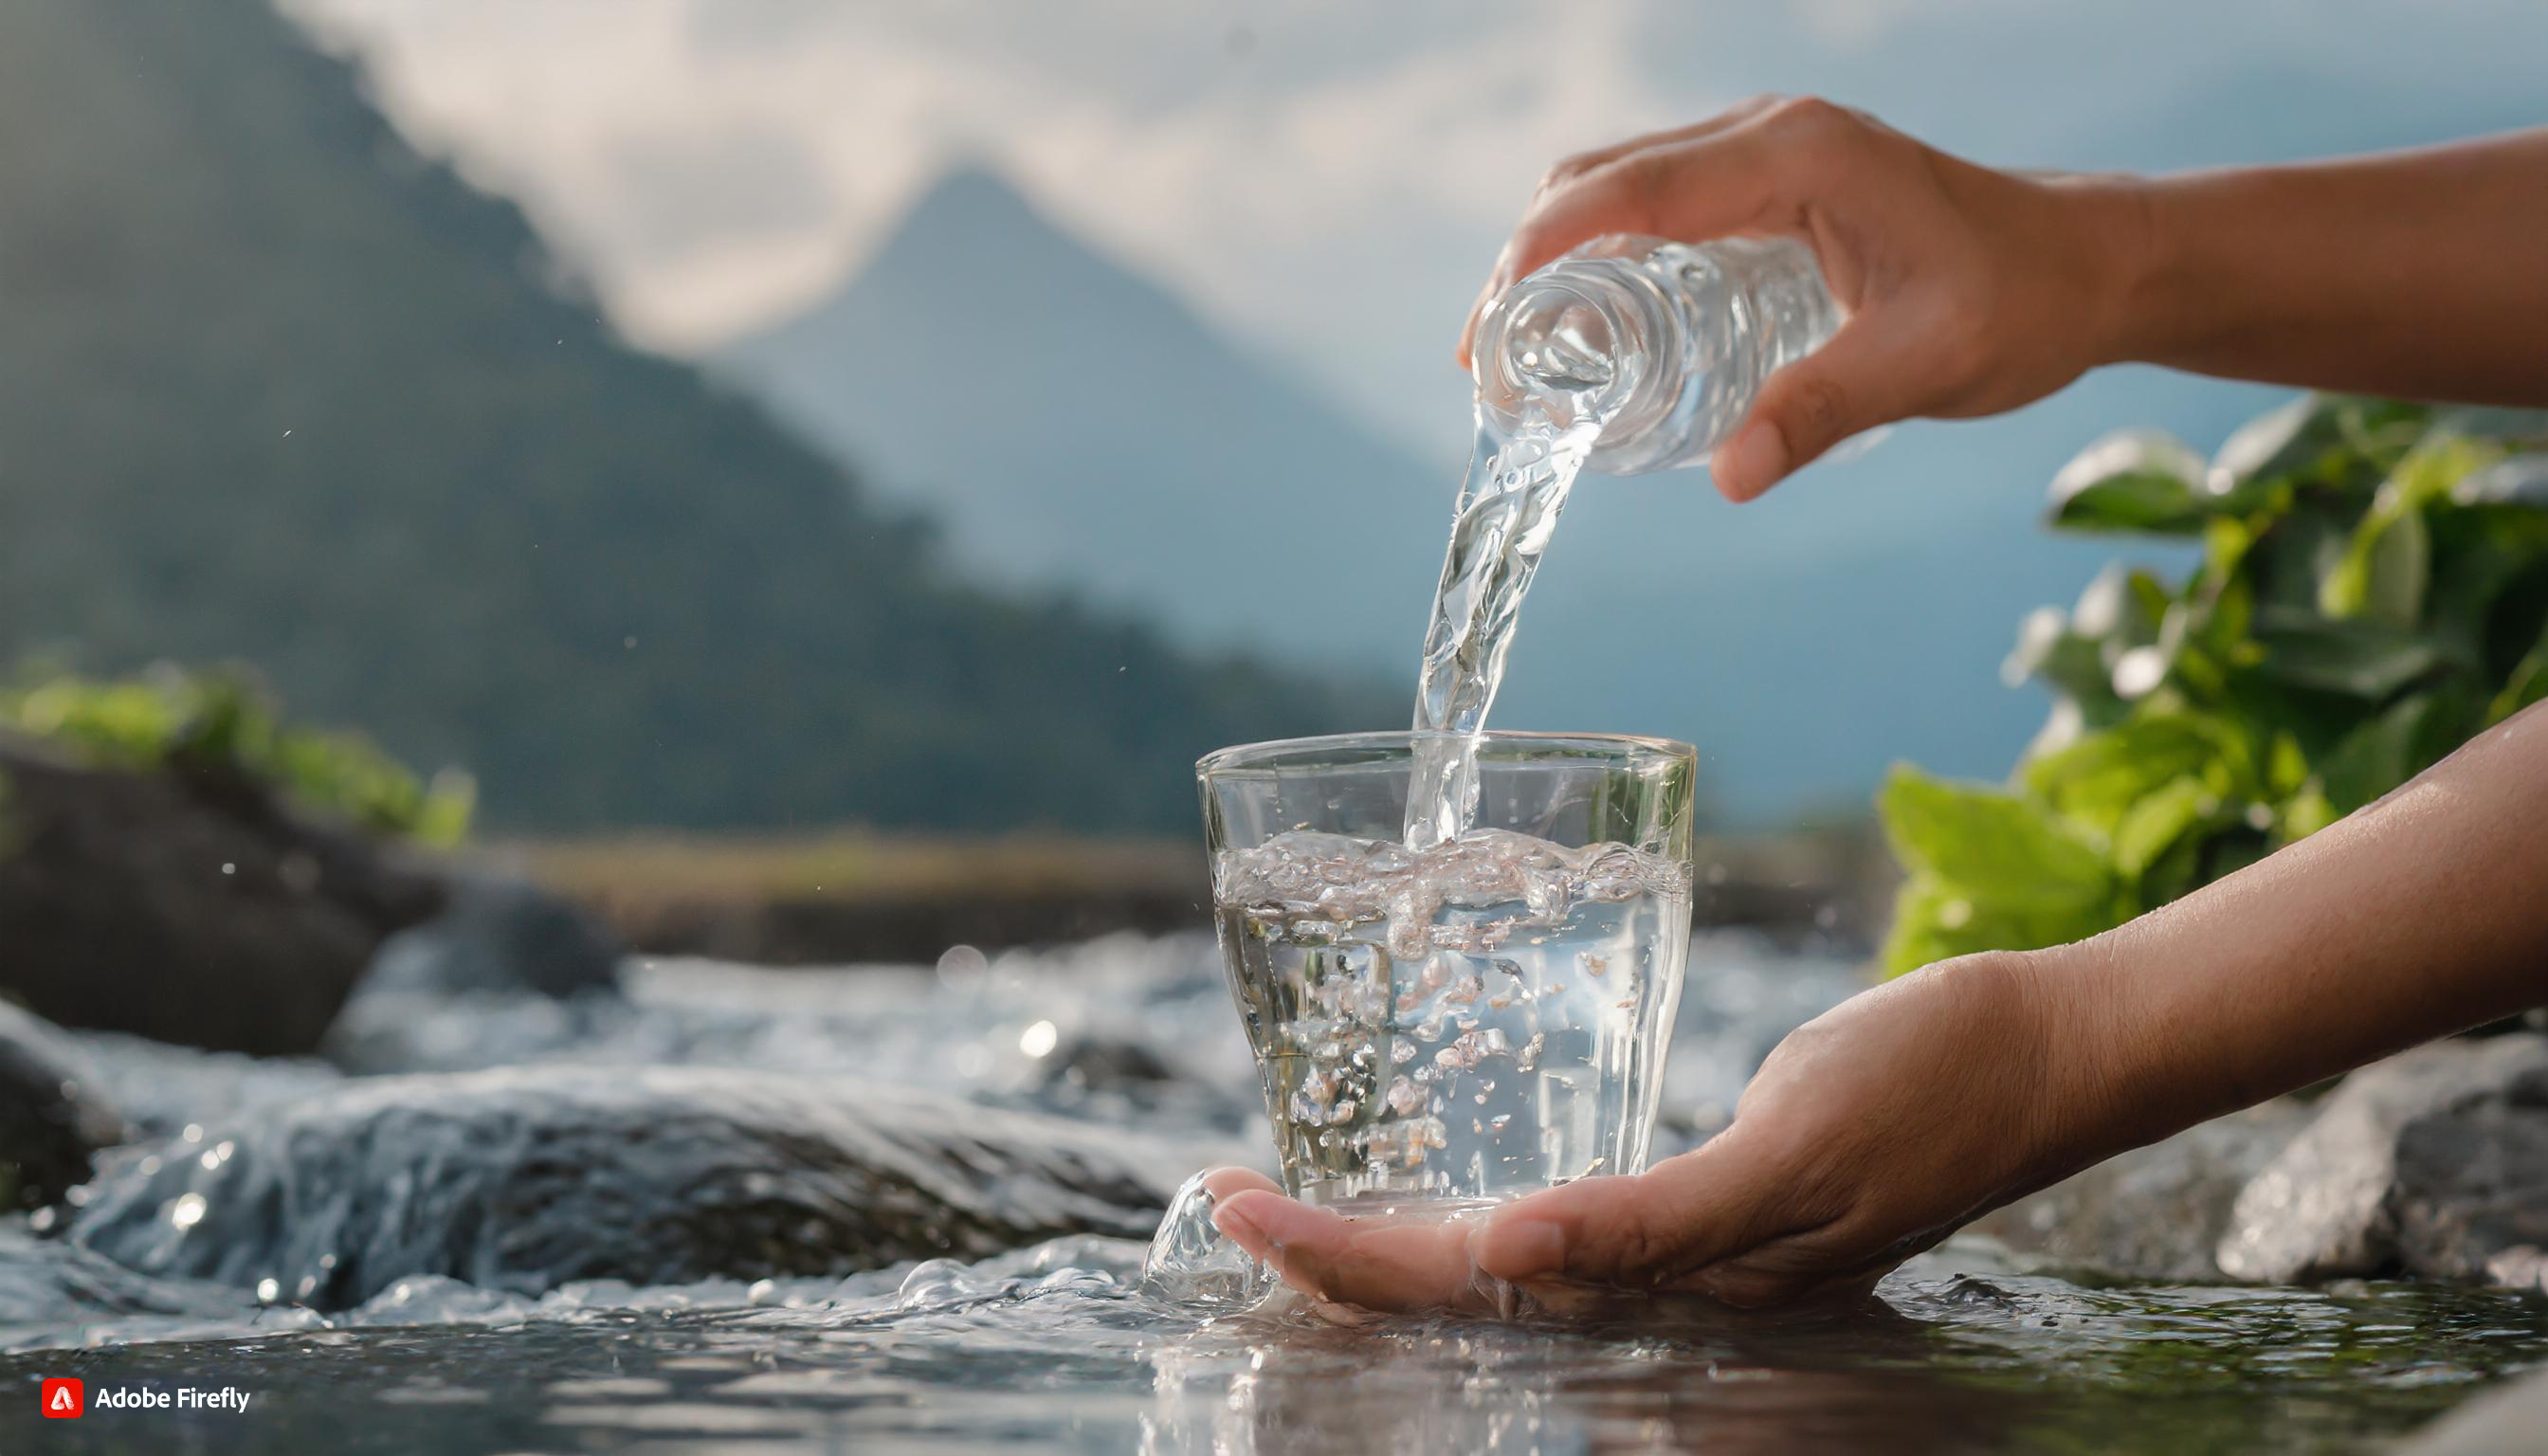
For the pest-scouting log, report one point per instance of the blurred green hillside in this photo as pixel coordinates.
(274, 389)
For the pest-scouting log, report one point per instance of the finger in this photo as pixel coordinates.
(1571, 168)
(1225, 1183)
(1692, 190)
(1384, 1264)
(1863, 378)
(1823, 1264)
(1643, 1230)
(1600, 156)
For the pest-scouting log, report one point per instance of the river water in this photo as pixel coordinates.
(1051, 1345)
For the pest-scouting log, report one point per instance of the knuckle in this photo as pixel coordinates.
(1818, 133)
(1567, 169)
(1818, 411)
(1643, 1248)
(1813, 114)
(1643, 181)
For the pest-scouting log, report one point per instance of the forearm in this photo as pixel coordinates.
(2418, 916)
(2422, 274)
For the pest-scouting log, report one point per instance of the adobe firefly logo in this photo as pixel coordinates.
(64, 1400)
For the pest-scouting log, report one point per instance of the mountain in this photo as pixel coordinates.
(1073, 424)
(275, 388)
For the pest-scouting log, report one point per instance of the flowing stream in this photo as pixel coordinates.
(1128, 1046)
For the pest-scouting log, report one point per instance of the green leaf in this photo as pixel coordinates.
(1990, 844)
(2133, 481)
(2521, 480)
(2388, 563)
(1935, 921)
(2156, 823)
(2480, 554)
(2307, 812)
(2384, 571)
(2392, 747)
(2363, 658)
(2292, 441)
(2099, 779)
(2527, 684)
(2326, 440)
(2511, 425)
(2073, 665)
(2225, 855)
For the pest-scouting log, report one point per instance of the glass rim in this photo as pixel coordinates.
(1271, 755)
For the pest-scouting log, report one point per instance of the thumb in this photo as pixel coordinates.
(1859, 379)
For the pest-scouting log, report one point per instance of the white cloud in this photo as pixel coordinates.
(1331, 177)
(1244, 177)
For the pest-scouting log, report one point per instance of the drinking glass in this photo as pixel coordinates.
(1470, 1021)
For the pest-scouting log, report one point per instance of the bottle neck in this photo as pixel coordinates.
(1581, 337)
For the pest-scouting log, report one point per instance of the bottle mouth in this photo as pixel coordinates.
(1550, 343)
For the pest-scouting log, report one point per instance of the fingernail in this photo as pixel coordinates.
(1758, 459)
(1247, 1232)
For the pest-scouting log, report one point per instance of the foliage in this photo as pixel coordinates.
(220, 723)
(2373, 589)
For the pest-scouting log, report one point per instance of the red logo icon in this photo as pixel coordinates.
(64, 1400)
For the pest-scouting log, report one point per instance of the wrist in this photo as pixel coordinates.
(2118, 226)
(2098, 1043)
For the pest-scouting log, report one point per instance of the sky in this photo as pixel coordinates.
(1329, 179)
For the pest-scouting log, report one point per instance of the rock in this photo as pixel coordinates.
(1099, 1076)
(2504, 1421)
(53, 1115)
(2434, 1162)
(504, 974)
(499, 935)
(2155, 1213)
(187, 906)
(523, 1180)
(162, 1088)
(1093, 1062)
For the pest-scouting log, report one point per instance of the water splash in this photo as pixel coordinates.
(1192, 1263)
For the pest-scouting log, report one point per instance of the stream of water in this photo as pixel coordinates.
(1501, 525)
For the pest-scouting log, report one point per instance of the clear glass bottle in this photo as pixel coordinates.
(1667, 342)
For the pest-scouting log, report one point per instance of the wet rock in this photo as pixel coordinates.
(1100, 1063)
(161, 1088)
(2434, 1162)
(188, 906)
(524, 1180)
(2155, 1213)
(1097, 1076)
(506, 973)
(52, 1293)
(55, 1116)
(497, 936)
(2504, 1421)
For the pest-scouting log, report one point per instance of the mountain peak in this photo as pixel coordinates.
(1075, 425)
(971, 191)
(970, 205)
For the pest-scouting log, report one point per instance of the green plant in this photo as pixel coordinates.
(2373, 589)
(220, 723)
